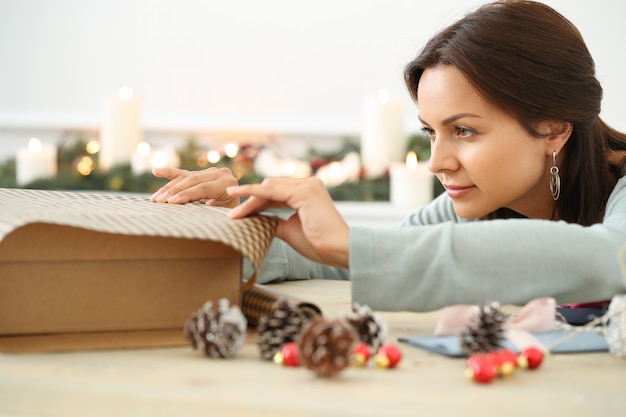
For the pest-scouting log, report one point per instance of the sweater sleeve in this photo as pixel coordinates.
(438, 259)
(282, 263)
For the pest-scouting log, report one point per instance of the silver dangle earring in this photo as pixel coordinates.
(555, 179)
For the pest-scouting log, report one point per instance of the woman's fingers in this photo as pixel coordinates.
(271, 193)
(175, 176)
(317, 230)
(185, 186)
(169, 173)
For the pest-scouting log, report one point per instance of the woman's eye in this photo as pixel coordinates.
(429, 132)
(463, 132)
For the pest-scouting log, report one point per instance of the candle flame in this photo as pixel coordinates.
(231, 150)
(143, 149)
(159, 159)
(213, 157)
(93, 147)
(411, 160)
(125, 93)
(335, 170)
(34, 145)
(85, 166)
(289, 168)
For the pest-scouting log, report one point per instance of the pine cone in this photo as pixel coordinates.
(369, 326)
(326, 346)
(482, 336)
(279, 327)
(218, 332)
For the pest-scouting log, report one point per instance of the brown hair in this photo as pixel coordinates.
(533, 63)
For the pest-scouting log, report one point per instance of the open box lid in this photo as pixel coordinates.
(38, 230)
(133, 214)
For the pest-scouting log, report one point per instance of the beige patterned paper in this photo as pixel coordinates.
(133, 214)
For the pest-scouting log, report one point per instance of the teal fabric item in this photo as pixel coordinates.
(580, 342)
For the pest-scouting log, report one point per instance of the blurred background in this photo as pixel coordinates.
(293, 76)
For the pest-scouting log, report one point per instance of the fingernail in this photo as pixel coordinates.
(155, 196)
(233, 212)
(174, 198)
(162, 198)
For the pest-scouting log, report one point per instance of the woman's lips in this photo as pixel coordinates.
(458, 192)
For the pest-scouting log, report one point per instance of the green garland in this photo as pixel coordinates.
(120, 178)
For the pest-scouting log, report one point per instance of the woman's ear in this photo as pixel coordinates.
(557, 135)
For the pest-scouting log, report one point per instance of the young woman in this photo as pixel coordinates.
(535, 201)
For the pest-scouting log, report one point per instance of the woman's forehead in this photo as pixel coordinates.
(444, 90)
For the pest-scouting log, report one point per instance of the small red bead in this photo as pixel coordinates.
(388, 356)
(290, 354)
(534, 356)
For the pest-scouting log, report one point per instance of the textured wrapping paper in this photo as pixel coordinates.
(261, 300)
(131, 214)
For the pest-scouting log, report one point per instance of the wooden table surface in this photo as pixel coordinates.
(181, 382)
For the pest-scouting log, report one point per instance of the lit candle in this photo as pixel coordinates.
(411, 184)
(165, 158)
(213, 156)
(37, 161)
(121, 128)
(267, 164)
(383, 136)
(231, 150)
(295, 168)
(338, 172)
(140, 161)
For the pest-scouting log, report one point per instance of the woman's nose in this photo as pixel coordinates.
(442, 156)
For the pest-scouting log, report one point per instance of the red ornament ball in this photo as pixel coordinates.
(507, 355)
(388, 356)
(503, 360)
(362, 354)
(480, 368)
(531, 357)
(288, 355)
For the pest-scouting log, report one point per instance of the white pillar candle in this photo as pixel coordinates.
(37, 161)
(411, 184)
(121, 128)
(383, 136)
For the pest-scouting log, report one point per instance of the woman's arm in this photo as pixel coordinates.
(511, 261)
(282, 263)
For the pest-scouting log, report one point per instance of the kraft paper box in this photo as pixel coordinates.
(81, 270)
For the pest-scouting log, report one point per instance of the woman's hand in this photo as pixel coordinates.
(316, 230)
(208, 185)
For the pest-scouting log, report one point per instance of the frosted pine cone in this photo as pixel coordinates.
(326, 346)
(218, 332)
(369, 326)
(482, 336)
(279, 327)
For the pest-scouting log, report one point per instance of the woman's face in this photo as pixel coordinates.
(481, 155)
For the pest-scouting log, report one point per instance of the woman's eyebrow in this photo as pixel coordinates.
(453, 118)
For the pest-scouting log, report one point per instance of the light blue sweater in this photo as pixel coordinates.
(434, 259)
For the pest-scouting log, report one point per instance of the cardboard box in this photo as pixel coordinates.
(98, 270)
